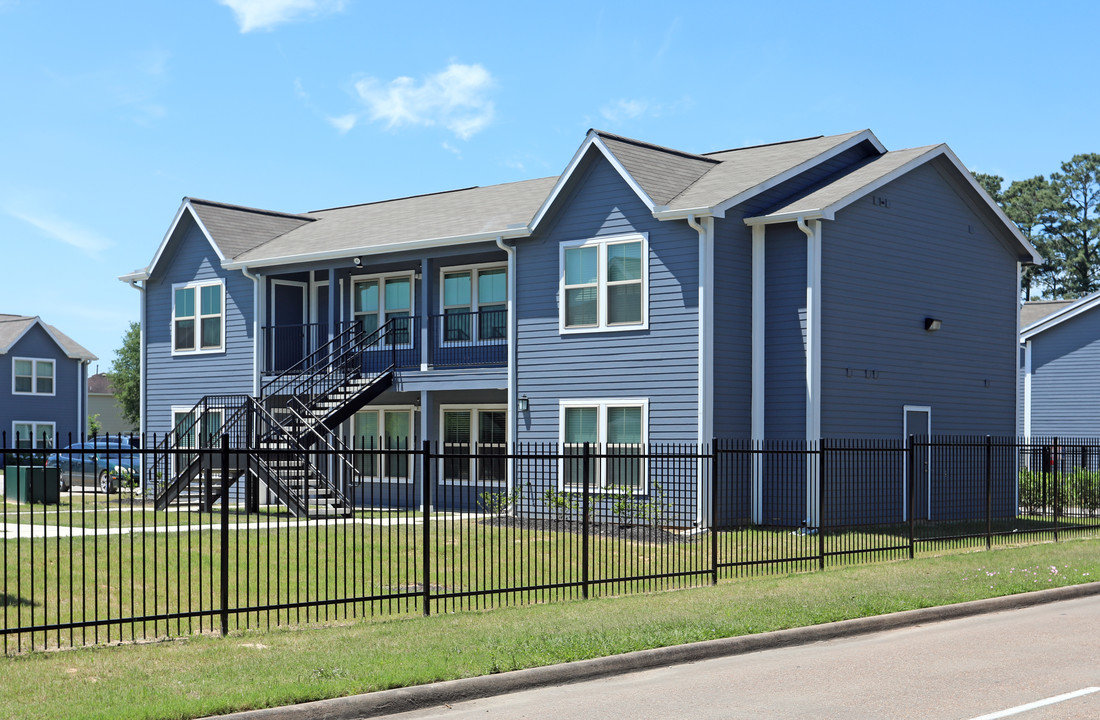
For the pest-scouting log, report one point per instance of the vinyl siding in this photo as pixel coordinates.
(1065, 378)
(785, 333)
(884, 269)
(61, 408)
(660, 363)
(183, 380)
(732, 328)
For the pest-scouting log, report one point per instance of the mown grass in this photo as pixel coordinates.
(207, 675)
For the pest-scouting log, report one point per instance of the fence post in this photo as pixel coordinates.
(988, 492)
(1056, 476)
(911, 460)
(821, 503)
(426, 464)
(586, 474)
(714, 511)
(225, 536)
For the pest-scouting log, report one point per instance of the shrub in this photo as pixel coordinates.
(499, 503)
(560, 503)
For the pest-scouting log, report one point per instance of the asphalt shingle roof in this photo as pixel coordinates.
(12, 327)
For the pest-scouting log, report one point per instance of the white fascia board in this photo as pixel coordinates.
(185, 206)
(815, 214)
(719, 210)
(1057, 318)
(344, 253)
(593, 139)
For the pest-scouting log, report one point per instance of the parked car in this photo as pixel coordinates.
(103, 464)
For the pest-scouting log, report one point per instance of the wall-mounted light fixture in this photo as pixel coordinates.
(932, 324)
(522, 403)
(358, 261)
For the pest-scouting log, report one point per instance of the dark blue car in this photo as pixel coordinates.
(103, 464)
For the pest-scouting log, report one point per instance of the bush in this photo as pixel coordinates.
(499, 503)
(560, 503)
(1081, 490)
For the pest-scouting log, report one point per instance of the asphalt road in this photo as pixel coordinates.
(987, 666)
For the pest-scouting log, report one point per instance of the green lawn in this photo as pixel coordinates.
(250, 669)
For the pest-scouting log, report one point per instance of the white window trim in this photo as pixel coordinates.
(381, 278)
(34, 376)
(602, 404)
(380, 478)
(198, 350)
(601, 284)
(36, 434)
(475, 300)
(473, 461)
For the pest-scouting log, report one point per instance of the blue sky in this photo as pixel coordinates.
(112, 112)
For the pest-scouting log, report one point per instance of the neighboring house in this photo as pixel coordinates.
(1060, 368)
(42, 396)
(102, 402)
(822, 287)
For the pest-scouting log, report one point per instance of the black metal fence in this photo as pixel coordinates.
(432, 531)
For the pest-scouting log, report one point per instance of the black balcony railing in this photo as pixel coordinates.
(454, 339)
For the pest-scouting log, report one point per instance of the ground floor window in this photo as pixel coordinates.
(33, 435)
(386, 434)
(616, 432)
(195, 429)
(475, 440)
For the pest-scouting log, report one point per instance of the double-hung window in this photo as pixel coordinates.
(191, 431)
(33, 435)
(616, 433)
(475, 304)
(198, 317)
(474, 445)
(604, 284)
(30, 376)
(376, 301)
(383, 436)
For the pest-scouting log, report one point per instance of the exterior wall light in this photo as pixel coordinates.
(358, 262)
(932, 324)
(522, 404)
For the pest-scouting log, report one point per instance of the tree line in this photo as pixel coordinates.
(1060, 215)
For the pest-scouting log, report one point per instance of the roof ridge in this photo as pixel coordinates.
(431, 194)
(245, 208)
(654, 146)
(771, 144)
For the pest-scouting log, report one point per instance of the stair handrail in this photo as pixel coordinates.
(340, 452)
(295, 448)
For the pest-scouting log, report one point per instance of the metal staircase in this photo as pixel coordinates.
(282, 437)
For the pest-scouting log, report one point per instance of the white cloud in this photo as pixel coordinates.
(266, 14)
(455, 98)
(344, 123)
(623, 109)
(64, 231)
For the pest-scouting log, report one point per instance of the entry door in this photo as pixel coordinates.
(319, 317)
(918, 422)
(288, 315)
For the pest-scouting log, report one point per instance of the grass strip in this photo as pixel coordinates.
(210, 675)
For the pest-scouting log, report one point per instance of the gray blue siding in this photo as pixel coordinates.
(182, 380)
(1065, 378)
(660, 363)
(884, 270)
(785, 333)
(62, 407)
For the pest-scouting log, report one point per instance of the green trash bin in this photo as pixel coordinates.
(34, 484)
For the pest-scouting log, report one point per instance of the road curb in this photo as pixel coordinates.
(388, 702)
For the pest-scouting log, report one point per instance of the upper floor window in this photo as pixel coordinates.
(32, 377)
(198, 317)
(475, 304)
(604, 284)
(376, 301)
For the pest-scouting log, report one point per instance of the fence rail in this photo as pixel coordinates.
(441, 529)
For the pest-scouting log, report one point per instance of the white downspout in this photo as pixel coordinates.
(257, 300)
(512, 427)
(705, 398)
(143, 414)
(813, 358)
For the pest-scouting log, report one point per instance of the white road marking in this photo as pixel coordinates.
(1038, 704)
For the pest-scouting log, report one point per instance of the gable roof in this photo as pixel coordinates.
(14, 327)
(100, 384)
(1033, 311)
(1059, 316)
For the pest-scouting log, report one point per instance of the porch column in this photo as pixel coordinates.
(425, 311)
(332, 299)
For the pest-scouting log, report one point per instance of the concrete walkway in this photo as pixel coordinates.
(389, 702)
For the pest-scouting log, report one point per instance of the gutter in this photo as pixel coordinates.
(512, 428)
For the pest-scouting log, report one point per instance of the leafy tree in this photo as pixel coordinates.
(1027, 203)
(1073, 224)
(991, 183)
(125, 375)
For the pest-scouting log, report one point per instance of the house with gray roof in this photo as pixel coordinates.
(1060, 368)
(817, 288)
(43, 399)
